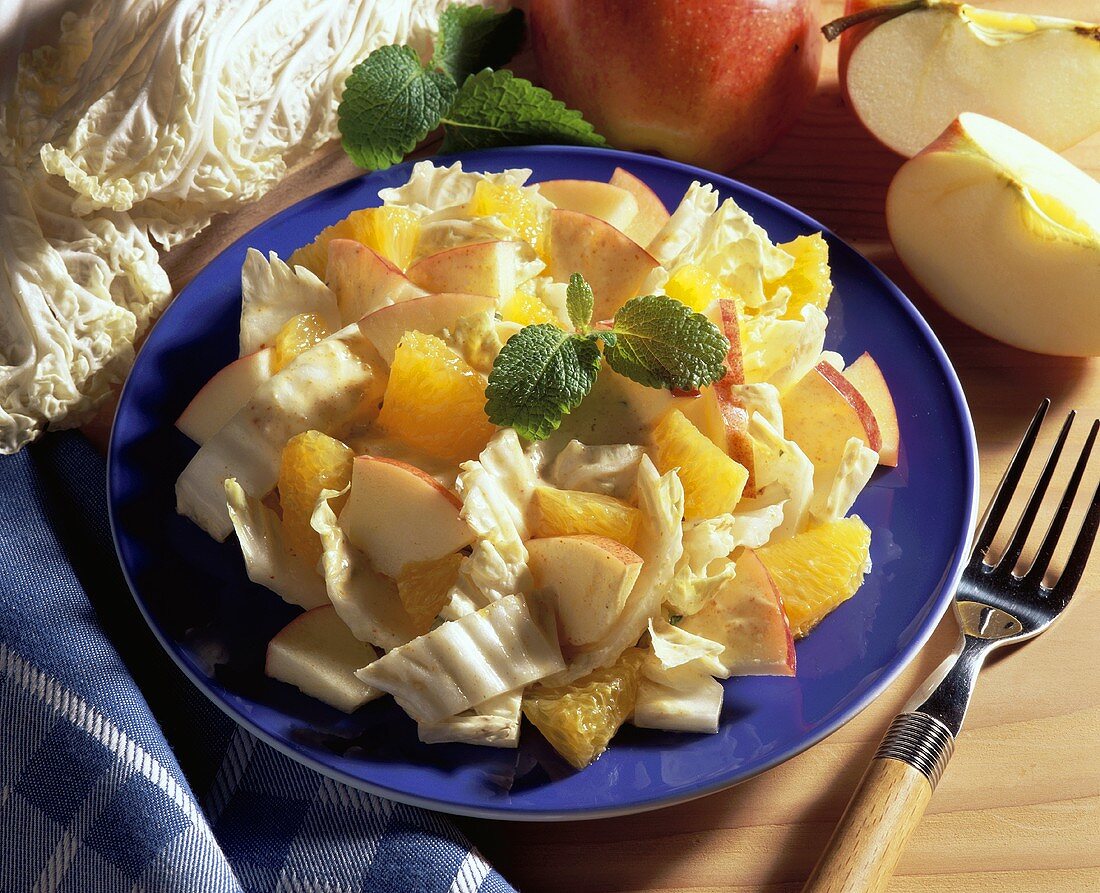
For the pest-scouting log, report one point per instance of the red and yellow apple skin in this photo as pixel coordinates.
(709, 83)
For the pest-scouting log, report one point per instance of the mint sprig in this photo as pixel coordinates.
(392, 101)
(542, 373)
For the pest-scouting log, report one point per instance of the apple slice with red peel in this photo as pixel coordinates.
(735, 418)
(747, 617)
(588, 578)
(396, 514)
(363, 280)
(318, 655)
(222, 397)
(908, 69)
(613, 264)
(480, 268)
(652, 213)
(430, 314)
(867, 378)
(603, 200)
(872, 434)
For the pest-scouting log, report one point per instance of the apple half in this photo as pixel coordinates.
(1005, 234)
(908, 69)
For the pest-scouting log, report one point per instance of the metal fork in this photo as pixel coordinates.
(994, 607)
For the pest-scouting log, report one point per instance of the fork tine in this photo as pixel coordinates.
(1015, 546)
(1043, 556)
(1079, 557)
(987, 529)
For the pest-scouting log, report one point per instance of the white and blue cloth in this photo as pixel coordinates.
(117, 775)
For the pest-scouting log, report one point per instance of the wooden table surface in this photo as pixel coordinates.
(1019, 807)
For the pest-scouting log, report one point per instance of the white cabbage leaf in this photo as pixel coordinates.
(272, 292)
(494, 723)
(432, 188)
(679, 700)
(661, 500)
(496, 490)
(781, 351)
(366, 601)
(675, 647)
(761, 398)
(327, 388)
(857, 464)
(684, 224)
(266, 557)
(611, 470)
(464, 662)
(783, 474)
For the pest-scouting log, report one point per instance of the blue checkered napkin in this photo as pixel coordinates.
(97, 797)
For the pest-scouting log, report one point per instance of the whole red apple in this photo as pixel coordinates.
(710, 82)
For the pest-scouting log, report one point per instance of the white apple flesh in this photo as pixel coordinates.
(430, 314)
(396, 514)
(588, 578)
(908, 77)
(652, 213)
(480, 268)
(224, 395)
(318, 655)
(603, 200)
(363, 280)
(1005, 234)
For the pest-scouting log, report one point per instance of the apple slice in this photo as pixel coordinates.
(907, 76)
(363, 280)
(603, 200)
(747, 617)
(652, 213)
(318, 655)
(396, 514)
(588, 578)
(866, 377)
(222, 397)
(480, 268)
(614, 265)
(430, 314)
(1005, 234)
(731, 408)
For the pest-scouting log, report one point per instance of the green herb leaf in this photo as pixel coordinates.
(474, 37)
(495, 108)
(662, 343)
(540, 374)
(391, 102)
(579, 302)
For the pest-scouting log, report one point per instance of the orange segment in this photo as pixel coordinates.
(392, 232)
(515, 208)
(311, 462)
(573, 512)
(694, 286)
(525, 308)
(580, 719)
(434, 400)
(298, 334)
(713, 482)
(808, 279)
(818, 569)
(424, 588)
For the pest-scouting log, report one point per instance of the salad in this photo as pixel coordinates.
(542, 451)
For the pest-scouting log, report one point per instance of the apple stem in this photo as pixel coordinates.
(836, 27)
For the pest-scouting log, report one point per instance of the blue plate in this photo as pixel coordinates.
(215, 623)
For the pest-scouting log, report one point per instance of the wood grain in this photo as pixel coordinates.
(1018, 810)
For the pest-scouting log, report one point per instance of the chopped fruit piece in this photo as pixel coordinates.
(580, 719)
(570, 512)
(514, 207)
(424, 588)
(392, 232)
(713, 482)
(311, 462)
(610, 203)
(298, 334)
(434, 401)
(808, 279)
(694, 286)
(818, 569)
(866, 377)
(525, 308)
(652, 213)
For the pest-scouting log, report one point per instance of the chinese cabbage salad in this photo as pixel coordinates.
(537, 469)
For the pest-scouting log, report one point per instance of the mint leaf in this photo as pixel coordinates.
(391, 102)
(474, 37)
(495, 108)
(579, 302)
(540, 374)
(662, 343)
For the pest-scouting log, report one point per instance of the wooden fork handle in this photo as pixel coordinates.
(887, 807)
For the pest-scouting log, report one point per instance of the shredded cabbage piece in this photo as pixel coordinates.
(272, 292)
(611, 470)
(266, 557)
(857, 464)
(679, 700)
(675, 647)
(464, 662)
(781, 351)
(494, 723)
(432, 188)
(783, 474)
